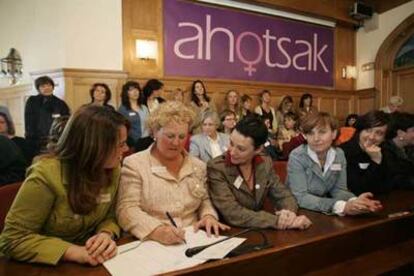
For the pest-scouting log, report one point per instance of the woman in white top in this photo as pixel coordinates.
(164, 178)
(210, 143)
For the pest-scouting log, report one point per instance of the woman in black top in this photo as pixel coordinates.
(7, 129)
(399, 165)
(101, 95)
(365, 165)
(39, 113)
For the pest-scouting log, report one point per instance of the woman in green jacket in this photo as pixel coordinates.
(65, 208)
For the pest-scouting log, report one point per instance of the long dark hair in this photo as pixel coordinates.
(124, 94)
(194, 97)
(149, 88)
(88, 140)
(303, 98)
(108, 93)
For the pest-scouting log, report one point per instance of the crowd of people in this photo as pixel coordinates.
(102, 170)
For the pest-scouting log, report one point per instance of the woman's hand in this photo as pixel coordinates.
(101, 246)
(363, 204)
(301, 223)
(209, 222)
(285, 219)
(79, 254)
(373, 151)
(167, 235)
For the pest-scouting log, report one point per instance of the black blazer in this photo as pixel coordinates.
(364, 175)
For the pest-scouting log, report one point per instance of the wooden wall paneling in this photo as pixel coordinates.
(366, 100)
(142, 19)
(403, 80)
(14, 98)
(345, 41)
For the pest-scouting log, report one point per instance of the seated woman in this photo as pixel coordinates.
(241, 179)
(228, 120)
(346, 132)
(12, 162)
(365, 170)
(288, 129)
(164, 178)
(317, 172)
(7, 129)
(64, 210)
(101, 95)
(400, 136)
(210, 143)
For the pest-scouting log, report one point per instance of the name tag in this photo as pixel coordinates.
(132, 114)
(104, 198)
(336, 167)
(267, 144)
(54, 116)
(363, 166)
(237, 183)
(158, 169)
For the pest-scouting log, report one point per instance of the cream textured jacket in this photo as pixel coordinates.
(147, 191)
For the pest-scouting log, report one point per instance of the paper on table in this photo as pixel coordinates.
(151, 257)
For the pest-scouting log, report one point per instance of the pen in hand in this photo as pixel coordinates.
(173, 223)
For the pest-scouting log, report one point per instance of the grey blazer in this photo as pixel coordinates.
(200, 145)
(313, 190)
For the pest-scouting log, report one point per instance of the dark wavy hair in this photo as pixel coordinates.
(194, 97)
(88, 140)
(124, 94)
(108, 93)
(149, 88)
(43, 80)
(303, 98)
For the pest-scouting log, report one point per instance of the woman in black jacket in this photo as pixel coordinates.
(39, 113)
(365, 161)
(399, 164)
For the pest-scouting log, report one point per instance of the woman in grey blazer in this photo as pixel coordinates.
(210, 143)
(317, 172)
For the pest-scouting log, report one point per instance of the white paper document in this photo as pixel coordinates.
(150, 257)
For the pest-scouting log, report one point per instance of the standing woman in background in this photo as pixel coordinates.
(64, 211)
(200, 103)
(232, 102)
(152, 94)
(246, 105)
(306, 105)
(39, 113)
(285, 106)
(101, 95)
(266, 110)
(134, 111)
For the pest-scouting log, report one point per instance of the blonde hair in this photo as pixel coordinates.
(318, 119)
(170, 111)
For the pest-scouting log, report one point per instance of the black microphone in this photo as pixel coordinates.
(195, 250)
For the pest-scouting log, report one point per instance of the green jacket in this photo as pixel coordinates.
(40, 225)
(241, 207)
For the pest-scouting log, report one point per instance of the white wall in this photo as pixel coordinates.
(368, 43)
(52, 34)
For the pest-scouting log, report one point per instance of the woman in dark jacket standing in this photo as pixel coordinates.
(365, 161)
(40, 111)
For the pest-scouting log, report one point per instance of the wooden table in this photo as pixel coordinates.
(368, 244)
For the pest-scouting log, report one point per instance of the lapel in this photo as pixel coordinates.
(206, 145)
(261, 177)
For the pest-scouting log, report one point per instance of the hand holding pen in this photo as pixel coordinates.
(179, 234)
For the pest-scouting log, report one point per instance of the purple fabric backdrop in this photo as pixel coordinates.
(202, 41)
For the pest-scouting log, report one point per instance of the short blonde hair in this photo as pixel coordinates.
(170, 111)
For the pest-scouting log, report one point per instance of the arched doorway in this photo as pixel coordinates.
(391, 78)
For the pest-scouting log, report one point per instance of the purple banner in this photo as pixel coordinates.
(201, 41)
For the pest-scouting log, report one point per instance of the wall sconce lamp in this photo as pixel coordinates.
(11, 66)
(146, 49)
(349, 72)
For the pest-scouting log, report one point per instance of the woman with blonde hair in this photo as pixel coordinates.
(164, 178)
(64, 210)
(232, 102)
